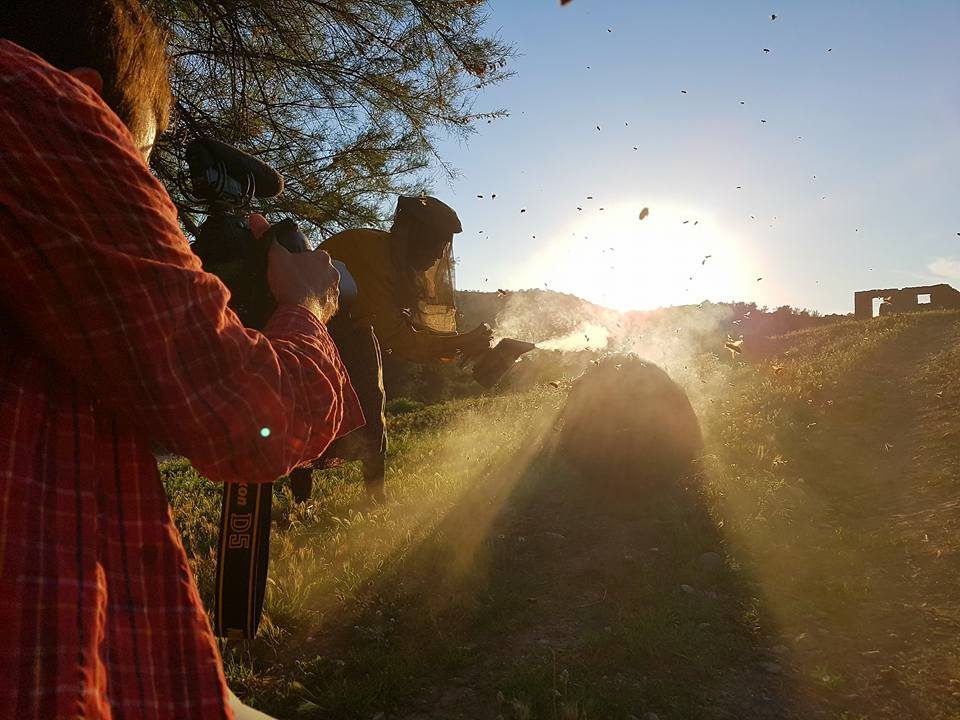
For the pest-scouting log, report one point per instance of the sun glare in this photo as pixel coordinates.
(676, 255)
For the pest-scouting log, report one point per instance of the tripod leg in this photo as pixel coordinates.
(301, 482)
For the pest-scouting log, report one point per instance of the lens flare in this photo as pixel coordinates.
(676, 255)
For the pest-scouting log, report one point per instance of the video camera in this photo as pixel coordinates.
(227, 180)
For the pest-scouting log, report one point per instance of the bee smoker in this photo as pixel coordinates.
(492, 364)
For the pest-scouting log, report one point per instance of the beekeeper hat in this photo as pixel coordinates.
(428, 211)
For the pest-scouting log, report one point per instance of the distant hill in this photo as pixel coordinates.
(535, 313)
(541, 315)
(570, 332)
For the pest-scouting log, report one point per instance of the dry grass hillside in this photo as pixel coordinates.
(811, 572)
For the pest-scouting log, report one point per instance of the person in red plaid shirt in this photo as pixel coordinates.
(112, 339)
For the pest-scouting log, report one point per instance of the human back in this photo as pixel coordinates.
(112, 338)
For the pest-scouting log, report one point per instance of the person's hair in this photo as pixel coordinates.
(117, 38)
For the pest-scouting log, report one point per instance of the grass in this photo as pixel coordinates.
(497, 584)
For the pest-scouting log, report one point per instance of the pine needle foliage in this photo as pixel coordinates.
(346, 98)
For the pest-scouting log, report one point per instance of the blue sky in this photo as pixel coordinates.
(851, 183)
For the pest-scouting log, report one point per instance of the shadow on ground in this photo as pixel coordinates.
(540, 597)
(628, 607)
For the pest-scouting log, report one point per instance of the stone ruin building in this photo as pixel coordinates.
(902, 300)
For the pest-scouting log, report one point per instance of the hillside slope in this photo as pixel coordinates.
(812, 573)
(866, 590)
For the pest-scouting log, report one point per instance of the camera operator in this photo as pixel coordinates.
(112, 339)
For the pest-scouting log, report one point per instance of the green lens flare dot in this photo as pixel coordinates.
(265, 432)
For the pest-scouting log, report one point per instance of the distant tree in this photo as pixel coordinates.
(346, 98)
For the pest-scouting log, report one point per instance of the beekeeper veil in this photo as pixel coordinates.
(423, 230)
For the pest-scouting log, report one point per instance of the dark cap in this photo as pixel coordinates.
(428, 211)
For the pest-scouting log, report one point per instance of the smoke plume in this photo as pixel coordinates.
(687, 341)
(588, 336)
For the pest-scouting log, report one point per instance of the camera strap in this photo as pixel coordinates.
(243, 550)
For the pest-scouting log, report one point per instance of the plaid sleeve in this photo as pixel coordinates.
(98, 277)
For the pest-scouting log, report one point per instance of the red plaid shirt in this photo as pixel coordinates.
(112, 338)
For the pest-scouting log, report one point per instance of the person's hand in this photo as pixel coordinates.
(258, 225)
(307, 279)
(476, 341)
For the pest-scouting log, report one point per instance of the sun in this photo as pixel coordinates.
(676, 255)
